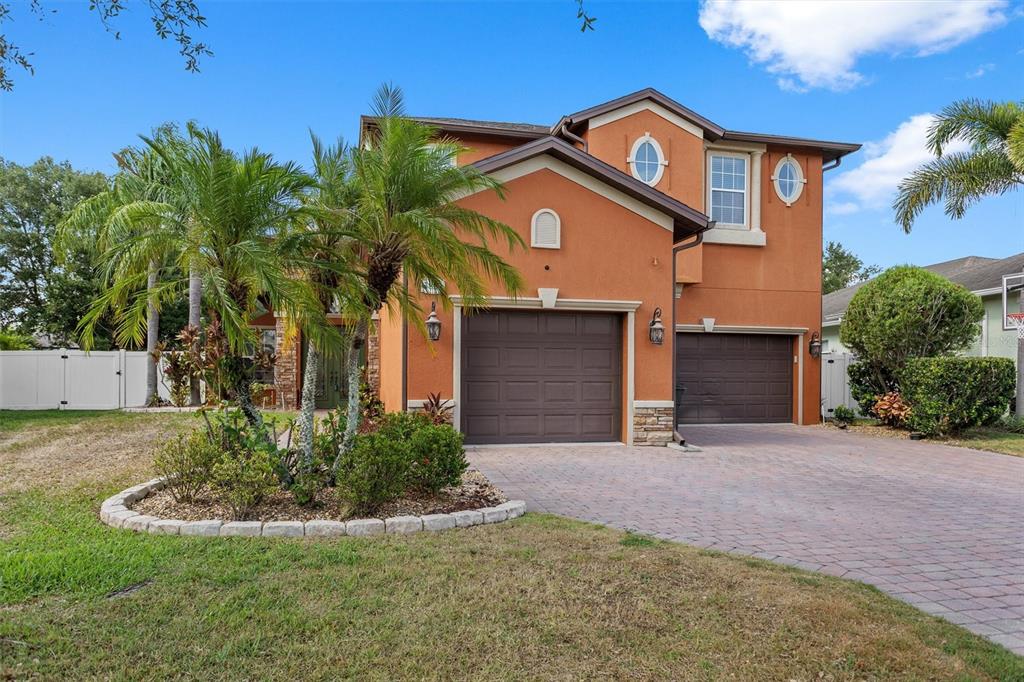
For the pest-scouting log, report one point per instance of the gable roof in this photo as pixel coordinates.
(829, 150)
(687, 221)
(975, 273)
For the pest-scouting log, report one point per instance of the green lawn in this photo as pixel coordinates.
(994, 439)
(538, 598)
(15, 420)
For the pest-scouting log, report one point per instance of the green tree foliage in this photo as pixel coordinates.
(906, 312)
(948, 395)
(994, 165)
(175, 19)
(841, 268)
(40, 292)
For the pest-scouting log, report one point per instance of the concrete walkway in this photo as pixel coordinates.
(937, 526)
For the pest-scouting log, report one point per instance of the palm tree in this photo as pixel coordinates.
(143, 178)
(324, 243)
(409, 227)
(994, 165)
(239, 212)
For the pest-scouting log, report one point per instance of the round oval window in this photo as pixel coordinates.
(646, 162)
(789, 181)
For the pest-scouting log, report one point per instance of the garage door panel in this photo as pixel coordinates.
(733, 378)
(541, 377)
(525, 323)
(482, 391)
(559, 358)
(527, 391)
(561, 391)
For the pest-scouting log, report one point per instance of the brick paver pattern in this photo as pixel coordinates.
(936, 526)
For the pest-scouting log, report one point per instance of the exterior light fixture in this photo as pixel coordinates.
(433, 324)
(815, 345)
(657, 329)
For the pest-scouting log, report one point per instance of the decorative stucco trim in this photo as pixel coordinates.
(741, 329)
(630, 372)
(544, 162)
(652, 403)
(735, 236)
(457, 366)
(577, 304)
(645, 105)
(734, 146)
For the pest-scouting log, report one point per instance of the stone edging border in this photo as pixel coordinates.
(115, 512)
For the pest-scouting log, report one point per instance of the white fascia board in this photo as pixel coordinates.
(646, 105)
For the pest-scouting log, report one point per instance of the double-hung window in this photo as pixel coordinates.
(729, 189)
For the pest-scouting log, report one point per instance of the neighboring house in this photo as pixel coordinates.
(629, 208)
(983, 276)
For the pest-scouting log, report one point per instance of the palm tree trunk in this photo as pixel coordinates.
(1020, 362)
(195, 299)
(354, 370)
(152, 338)
(306, 419)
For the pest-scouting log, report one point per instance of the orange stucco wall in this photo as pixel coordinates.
(607, 252)
(391, 360)
(480, 147)
(777, 285)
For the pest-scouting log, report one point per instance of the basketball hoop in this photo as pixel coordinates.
(1017, 320)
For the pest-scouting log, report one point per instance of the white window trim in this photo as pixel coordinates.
(662, 161)
(745, 225)
(558, 230)
(801, 180)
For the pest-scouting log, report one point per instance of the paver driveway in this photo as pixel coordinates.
(937, 526)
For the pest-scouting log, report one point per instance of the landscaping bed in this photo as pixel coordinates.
(475, 492)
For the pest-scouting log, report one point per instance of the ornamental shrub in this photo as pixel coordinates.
(843, 415)
(867, 385)
(242, 478)
(375, 471)
(904, 313)
(948, 395)
(438, 459)
(892, 410)
(186, 462)
(401, 425)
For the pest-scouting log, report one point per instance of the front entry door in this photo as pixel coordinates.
(330, 380)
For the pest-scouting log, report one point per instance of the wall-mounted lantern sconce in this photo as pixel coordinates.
(657, 329)
(433, 324)
(815, 345)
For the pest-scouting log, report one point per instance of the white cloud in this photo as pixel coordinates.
(873, 183)
(811, 44)
(980, 71)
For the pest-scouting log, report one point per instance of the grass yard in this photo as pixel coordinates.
(540, 597)
(992, 438)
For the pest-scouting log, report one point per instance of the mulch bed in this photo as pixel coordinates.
(475, 492)
(877, 430)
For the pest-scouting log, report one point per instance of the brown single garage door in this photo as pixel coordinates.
(733, 378)
(541, 377)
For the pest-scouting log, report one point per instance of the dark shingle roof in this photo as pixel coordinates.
(975, 273)
(486, 125)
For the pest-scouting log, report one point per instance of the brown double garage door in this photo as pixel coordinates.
(733, 378)
(541, 376)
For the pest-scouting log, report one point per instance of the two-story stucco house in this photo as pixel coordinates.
(637, 214)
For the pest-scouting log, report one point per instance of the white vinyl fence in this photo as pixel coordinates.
(73, 380)
(835, 383)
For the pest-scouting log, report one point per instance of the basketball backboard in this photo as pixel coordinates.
(1012, 285)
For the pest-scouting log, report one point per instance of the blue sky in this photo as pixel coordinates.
(840, 71)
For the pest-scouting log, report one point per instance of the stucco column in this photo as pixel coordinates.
(755, 191)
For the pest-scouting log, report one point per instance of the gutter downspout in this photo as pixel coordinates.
(835, 164)
(676, 436)
(564, 132)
